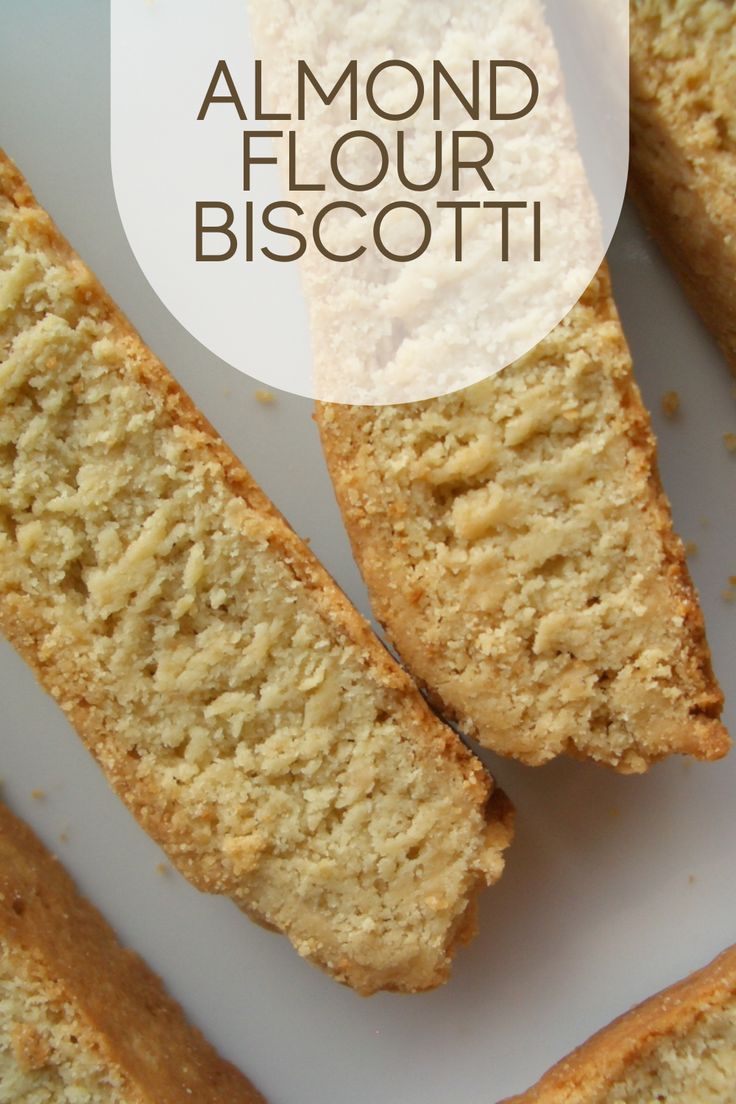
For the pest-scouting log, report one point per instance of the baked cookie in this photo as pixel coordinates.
(237, 702)
(82, 1020)
(519, 550)
(678, 1047)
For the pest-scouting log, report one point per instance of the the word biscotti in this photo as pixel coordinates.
(81, 1019)
(237, 702)
(683, 146)
(519, 550)
(678, 1047)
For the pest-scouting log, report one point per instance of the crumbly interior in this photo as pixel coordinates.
(519, 551)
(683, 57)
(698, 1067)
(238, 704)
(48, 1055)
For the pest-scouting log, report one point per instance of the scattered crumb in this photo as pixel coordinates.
(691, 879)
(265, 397)
(732, 580)
(691, 548)
(64, 835)
(729, 595)
(704, 523)
(38, 795)
(729, 440)
(671, 404)
(614, 812)
(163, 869)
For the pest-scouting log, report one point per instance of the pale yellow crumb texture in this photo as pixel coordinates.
(48, 1055)
(519, 552)
(82, 1020)
(678, 1047)
(683, 146)
(239, 705)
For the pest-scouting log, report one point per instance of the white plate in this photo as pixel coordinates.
(614, 887)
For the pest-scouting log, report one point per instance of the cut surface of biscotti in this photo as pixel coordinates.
(519, 550)
(683, 146)
(236, 700)
(82, 1020)
(678, 1047)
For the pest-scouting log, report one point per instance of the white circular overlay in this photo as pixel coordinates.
(369, 203)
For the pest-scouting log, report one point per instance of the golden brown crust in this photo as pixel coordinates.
(29, 626)
(683, 149)
(600, 1063)
(138, 1028)
(378, 507)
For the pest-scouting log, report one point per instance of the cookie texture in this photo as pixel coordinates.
(235, 699)
(679, 1047)
(683, 147)
(82, 1020)
(519, 550)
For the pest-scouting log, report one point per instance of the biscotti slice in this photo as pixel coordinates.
(519, 550)
(683, 147)
(82, 1020)
(237, 702)
(678, 1047)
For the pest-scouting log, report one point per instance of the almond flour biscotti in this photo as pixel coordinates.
(678, 1047)
(683, 146)
(519, 550)
(237, 702)
(83, 1021)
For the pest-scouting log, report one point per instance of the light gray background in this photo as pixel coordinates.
(615, 886)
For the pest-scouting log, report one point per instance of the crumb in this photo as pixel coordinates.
(266, 398)
(31, 1050)
(732, 580)
(163, 869)
(38, 795)
(614, 812)
(705, 523)
(691, 548)
(64, 835)
(729, 595)
(729, 440)
(671, 404)
(691, 879)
